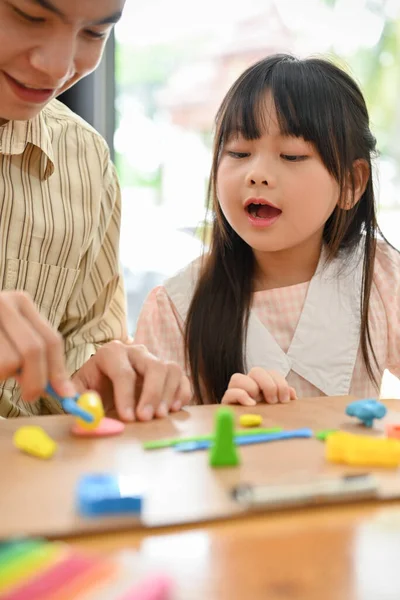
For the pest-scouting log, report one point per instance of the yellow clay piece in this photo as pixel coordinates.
(362, 450)
(34, 440)
(91, 402)
(250, 420)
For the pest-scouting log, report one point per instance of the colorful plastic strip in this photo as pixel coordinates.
(168, 442)
(246, 440)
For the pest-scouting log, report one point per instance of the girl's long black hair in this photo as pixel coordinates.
(318, 101)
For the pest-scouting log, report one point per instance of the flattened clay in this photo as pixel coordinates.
(105, 428)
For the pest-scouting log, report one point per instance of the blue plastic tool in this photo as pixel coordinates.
(244, 440)
(69, 405)
(366, 410)
(107, 494)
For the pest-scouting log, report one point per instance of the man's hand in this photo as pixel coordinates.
(31, 347)
(134, 382)
(258, 386)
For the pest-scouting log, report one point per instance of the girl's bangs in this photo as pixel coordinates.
(306, 106)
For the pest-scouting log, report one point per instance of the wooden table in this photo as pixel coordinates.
(340, 553)
(325, 553)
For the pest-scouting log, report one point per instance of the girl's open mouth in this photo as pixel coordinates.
(263, 211)
(262, 215)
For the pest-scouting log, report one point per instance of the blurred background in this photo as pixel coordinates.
(175, 61)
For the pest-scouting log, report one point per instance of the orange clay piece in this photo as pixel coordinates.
(362, 450)
(91, 402)
(393, 431)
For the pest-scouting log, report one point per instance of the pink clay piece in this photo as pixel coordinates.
(106, 427)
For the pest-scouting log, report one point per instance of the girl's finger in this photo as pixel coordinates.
(266, 383)
(246, 383)
(237, 396)
(283, 389)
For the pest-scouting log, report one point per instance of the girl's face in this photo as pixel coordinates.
(275, 191)
(46, 46)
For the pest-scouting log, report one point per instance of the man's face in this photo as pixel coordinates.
(46, 46)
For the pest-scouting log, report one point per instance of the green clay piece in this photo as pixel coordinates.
(322, 435)
(223, 452)
(168, 442)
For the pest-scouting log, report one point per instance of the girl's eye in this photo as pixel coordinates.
(294, 157)
(27, 17)
(233, 154)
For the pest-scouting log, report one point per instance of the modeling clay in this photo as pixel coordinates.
(223, 452)
(362, 450)
(90, 402)
(366, 410)
(106, 427)
(34, 440)
(250, 420)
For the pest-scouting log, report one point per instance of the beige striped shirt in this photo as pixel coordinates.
(60, 209)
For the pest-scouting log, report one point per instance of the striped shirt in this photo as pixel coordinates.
(59, 235)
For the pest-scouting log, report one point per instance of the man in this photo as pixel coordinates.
(62, 299)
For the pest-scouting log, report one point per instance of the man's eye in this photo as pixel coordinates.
(96, 35)
(293, 157)
(27, 17)
(233, 154)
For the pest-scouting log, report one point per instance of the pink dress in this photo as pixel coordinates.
(160, 327)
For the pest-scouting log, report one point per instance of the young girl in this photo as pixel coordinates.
(298, 282)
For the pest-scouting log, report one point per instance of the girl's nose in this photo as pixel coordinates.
(261, 173)
(257, 181)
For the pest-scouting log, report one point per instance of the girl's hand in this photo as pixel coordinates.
(258, 386)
